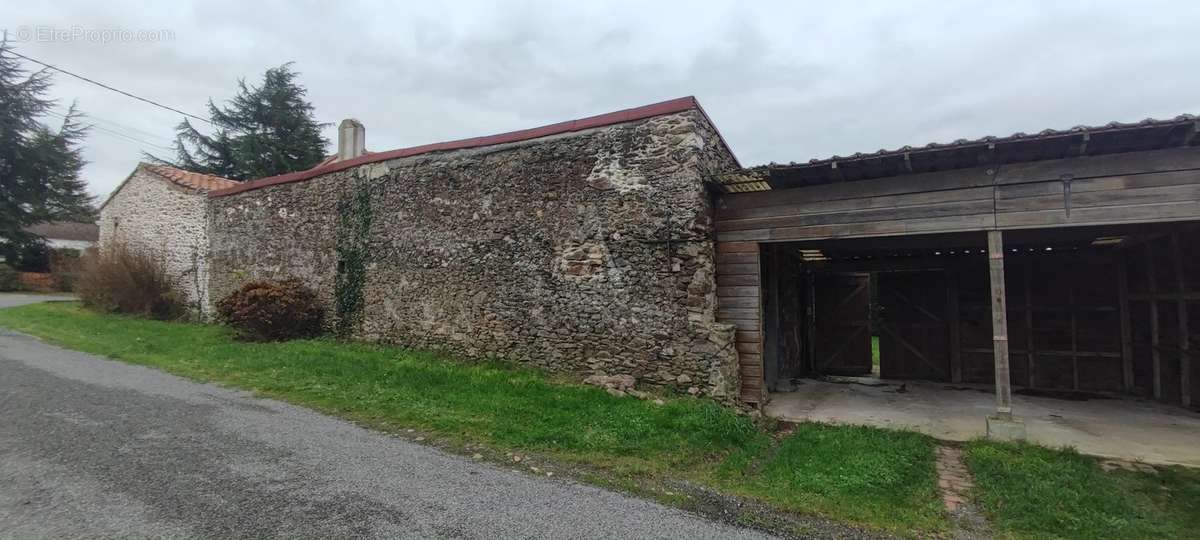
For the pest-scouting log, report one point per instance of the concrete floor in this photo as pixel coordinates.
(1121, 428)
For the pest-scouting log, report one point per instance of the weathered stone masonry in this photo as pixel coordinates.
(552, 251)
(164, 211)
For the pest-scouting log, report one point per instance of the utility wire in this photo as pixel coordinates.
(117, 133)
(117, 90)
(121, 127)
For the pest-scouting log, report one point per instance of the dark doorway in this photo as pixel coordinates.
(842, 337)
(914, 338)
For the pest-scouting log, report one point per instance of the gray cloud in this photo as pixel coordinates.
(783, 81)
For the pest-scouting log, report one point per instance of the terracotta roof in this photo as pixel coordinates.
(1079, 141)
(66, 230)
(330, 160)
(188, 179)
(618, 117)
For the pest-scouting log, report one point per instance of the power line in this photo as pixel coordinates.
(117, 90)
(123, 127)
(118, 134)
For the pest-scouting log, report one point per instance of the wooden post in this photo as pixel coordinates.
(1030, 353)
(1074, 336)
(1155, 354)
(1185, 359)
(953, 316)
(771, 327)
(1126, 325)
(999, 324)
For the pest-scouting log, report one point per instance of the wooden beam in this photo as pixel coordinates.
(1155, 356)
(1185, 359)
(953, 317)
(1166, 296)
(999, 323)
(1126, 323)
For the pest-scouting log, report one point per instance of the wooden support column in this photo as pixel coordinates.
(1030, 352)
(999, 323)
(953, 317)
(771, 314)
(1155, 354)
(1185, 358)
(1074, 337)
(1126, 325)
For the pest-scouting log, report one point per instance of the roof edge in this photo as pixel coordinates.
(608, 119)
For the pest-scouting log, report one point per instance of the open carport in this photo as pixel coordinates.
(1052, 266)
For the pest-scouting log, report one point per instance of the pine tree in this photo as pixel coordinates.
(39, 166)
(263, 131)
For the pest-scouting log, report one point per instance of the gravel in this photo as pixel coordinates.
(95, 448)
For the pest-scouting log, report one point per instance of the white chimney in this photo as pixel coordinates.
(352, 139)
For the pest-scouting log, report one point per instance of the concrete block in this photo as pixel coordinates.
(1005, 428)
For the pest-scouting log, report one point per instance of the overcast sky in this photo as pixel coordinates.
(784, 82)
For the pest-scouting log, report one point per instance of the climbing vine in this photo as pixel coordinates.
(353, 242)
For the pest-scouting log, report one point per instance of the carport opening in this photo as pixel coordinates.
(1091, 311)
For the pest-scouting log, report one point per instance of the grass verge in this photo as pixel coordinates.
(864, 476)
(1034, 492)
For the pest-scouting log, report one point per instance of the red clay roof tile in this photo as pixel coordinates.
(618, 117)
(193, 180)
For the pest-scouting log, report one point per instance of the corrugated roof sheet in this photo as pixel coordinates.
(1079, 141)
(618, 117)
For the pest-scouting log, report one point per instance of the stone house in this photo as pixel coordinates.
(164, 209)
(581, 246)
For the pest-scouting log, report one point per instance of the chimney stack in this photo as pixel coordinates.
(352, 139)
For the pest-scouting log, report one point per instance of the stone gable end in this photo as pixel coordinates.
(150, 213)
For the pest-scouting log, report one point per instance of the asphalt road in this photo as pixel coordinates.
(95, 448)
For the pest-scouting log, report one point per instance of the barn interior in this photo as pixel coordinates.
(897, 331)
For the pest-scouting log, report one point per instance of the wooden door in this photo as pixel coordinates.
(914, 337)
(842, 337)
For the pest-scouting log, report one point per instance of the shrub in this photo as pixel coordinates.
(121, 279)
(10, 278)
(267, 310)
(65, 266)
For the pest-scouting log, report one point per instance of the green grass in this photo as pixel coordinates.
(1034, 492)
(875, 353)
(866, 476)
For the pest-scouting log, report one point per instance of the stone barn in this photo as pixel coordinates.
(1045, 282)
(164, 210)
(583, 246)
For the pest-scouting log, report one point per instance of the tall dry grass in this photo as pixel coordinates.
(119, 278)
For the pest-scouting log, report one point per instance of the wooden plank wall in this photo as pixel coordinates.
(1163, 295)
(739, 302)
(1136, 187)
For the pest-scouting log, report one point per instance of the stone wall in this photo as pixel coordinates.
(152, 213)
(588, 252)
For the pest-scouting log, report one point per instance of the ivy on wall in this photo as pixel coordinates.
(353, 239)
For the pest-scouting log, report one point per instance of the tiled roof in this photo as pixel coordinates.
(618, 117)
(330, 160)
(1015, 137)
(192, 180)
(1079, 141)
(66, 230)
